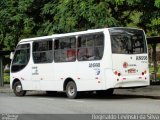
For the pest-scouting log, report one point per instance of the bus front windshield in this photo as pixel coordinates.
(127, 41)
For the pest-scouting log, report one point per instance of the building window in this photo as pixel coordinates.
(42, 51)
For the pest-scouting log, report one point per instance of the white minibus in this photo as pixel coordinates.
(94, 60)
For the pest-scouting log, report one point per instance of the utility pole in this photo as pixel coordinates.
(155, 59)
(2, 53)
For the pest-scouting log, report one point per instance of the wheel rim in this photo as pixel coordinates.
(71, 90)
(18, 88)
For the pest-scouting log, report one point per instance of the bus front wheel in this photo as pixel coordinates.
(17, 89)
(71, 90)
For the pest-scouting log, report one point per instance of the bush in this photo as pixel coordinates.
(6, 70)
(6, 78)
(158, 76)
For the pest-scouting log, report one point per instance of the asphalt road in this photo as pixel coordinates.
(40, 103)
(39, 106)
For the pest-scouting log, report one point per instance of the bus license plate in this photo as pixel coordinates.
(132, 70)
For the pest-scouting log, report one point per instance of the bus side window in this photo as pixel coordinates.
(56, 44)
(90, 47)
(82, 54)
(66, 51)
(71, 55)
(82, 50)
(42, 51)
(90, 53)
(99, 46)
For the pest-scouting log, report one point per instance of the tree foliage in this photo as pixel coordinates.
(31, 18)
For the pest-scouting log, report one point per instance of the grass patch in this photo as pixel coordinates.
(6, 78)
(151, 69)
(158, 76)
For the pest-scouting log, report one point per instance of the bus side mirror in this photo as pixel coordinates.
(11, 55)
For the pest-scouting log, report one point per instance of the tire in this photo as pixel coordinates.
(18, 90)
(71, 90)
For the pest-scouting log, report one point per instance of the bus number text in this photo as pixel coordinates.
(94, 65)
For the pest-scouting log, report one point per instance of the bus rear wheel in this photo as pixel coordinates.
(18, 90)
(71, 90)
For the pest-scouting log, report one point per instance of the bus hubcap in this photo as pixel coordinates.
(19, 88)
(71, 90)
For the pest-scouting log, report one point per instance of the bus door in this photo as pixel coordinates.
(42, 76)
(21, 67)
(89, 75)
(35, 76)
(42, 70)
(89, 53)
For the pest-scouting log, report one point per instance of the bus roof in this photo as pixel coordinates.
(70, 34)
(62, 35)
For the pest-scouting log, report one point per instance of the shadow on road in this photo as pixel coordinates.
(94, 96)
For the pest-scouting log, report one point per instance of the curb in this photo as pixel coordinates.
(152, 91)
(5, 91)
(155, 83)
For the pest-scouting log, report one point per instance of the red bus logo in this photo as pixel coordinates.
(125, 65)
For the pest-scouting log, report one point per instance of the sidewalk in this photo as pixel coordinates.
(5, 89)
(152, 90)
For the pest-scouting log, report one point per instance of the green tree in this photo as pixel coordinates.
(29, 18)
